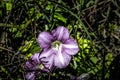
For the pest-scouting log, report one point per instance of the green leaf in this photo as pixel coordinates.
(60, 17)
(35, 48)
(94, 59)
(89, 3)
(4, 70)
(8, 6)
(75, 64)
(27, 46)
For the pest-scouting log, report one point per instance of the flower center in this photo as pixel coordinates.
(56, 45)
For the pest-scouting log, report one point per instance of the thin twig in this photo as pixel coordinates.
(6, 49)
(115, 37)
(49, 76)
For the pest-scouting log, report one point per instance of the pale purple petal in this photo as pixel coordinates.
(61, 59)
(47, 57)
(48, 66)
(61, 33)
(29, 65)
(45, 39)
(70, 47)
(30, 76)
(46, 53)
(35, 58)
(33, 62)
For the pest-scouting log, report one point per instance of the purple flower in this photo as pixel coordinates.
(35, 62)
(57, 47)
(33, 66)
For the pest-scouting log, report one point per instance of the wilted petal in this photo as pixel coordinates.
(61, 33)
(45, 39)
(35, 58)
(33, 62)
(30, 76)
(61, 59)
(70, 47)
(28, 65)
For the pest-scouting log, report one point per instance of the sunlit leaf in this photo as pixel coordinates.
(60, 17)
(8, 6)
(94, 59)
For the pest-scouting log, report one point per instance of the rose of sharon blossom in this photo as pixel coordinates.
(58, 47)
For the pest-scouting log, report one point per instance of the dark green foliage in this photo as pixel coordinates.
(95, 24)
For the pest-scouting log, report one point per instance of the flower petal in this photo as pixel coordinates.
(28, 65)
(47, 59)
(33, 62)
(35, 58)
(61, 33)
(48, 66)
(46, 52)
(30, 76)
(45, 39)
(61, 60)
(70, 47)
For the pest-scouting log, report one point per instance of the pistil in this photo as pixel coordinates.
(56, 45)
